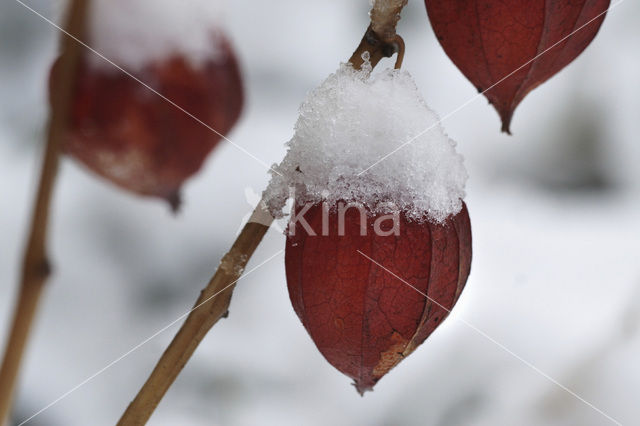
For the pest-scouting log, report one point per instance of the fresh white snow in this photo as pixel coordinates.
(349, 123)
(133, 33)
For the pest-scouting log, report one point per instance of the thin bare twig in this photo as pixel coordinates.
(212, 305)
(385, 15)
(36, 267)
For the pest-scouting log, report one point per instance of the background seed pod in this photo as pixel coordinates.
(513, 45)
(131, 136)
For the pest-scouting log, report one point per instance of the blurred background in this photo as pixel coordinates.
(556, 221)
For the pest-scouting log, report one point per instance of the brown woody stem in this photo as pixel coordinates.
(212, 304)
(214, 300)
(35, 267)
(380, 40)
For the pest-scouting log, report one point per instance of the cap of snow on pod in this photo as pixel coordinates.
(378, 246)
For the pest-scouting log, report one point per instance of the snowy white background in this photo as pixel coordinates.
(555, 212)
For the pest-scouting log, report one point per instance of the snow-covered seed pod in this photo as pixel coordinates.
(130, 135)
(378, 246)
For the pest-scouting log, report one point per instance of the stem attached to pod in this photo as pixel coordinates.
(380, 40)
(214, 300)
(377, 49)
(36, 267)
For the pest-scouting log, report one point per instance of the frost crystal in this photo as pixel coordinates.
(350, 123)
(133, 33)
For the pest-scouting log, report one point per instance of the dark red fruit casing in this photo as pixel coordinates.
(134, 138)
(509, 47)
(364, 317)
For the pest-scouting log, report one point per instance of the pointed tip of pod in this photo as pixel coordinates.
(362, 388)
(175, 201)
(506, 117)
(506, 128)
